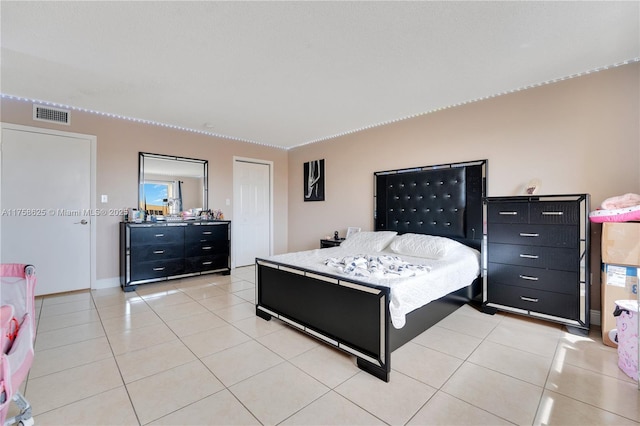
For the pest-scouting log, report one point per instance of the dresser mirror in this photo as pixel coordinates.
(169, 185)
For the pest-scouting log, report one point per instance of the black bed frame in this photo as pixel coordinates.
(443, 200)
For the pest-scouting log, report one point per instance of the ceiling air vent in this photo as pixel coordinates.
(51, 115)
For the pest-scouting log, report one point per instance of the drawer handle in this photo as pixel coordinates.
(525, 234)
(206, 233)
(529, 256)
(509, 213)
(159, 269)
(527, 277)
(158, 251)
(207, 263)
(529, 299)
(159, 235)
(552, 213)
(206, 248)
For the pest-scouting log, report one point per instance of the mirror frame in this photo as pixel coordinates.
(205, 170)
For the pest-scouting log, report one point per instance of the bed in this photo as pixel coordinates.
(353, 313)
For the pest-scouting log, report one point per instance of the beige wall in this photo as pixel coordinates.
(118, 144)
(577, 136)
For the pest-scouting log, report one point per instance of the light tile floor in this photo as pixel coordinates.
(192, 352)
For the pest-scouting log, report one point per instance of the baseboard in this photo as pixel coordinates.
(595, 317)
(106, 283)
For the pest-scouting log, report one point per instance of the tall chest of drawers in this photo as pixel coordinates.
(536, 258)
(151, 252)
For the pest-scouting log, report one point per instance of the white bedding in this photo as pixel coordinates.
(450, 273)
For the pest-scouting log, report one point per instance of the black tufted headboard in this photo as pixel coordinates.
(443, 200)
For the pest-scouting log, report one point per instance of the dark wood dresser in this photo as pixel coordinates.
(536, 258)
(151, 252)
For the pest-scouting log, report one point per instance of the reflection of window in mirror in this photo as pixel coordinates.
(163, 197)
(156, 196)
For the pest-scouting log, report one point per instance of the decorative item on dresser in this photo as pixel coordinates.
(152, 252)
(352, 230)
(536, 258)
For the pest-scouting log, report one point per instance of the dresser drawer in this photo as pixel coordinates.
(156, 269)
(554, 212)
(147, 253)
(508, 213)
(206, 263)
(157, 235)
(534, 256)
(206, 233)
(544, 302)
(537, 235)
(207, 248)
(535, 278)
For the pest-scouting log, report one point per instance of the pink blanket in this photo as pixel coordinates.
(621, 201)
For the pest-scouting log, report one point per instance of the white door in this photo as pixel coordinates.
(46, 202)
(251, 231)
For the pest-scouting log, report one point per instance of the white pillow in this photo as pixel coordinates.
(418, 245)
(368, 242)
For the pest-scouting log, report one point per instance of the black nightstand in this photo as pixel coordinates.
(325, 243)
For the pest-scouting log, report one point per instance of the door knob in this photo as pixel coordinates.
(82, 222)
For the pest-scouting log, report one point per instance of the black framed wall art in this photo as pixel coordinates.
(314, 180)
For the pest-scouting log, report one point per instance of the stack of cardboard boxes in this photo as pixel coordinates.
(620, 270)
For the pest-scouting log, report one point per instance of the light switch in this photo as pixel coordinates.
(228, 202)
(104, 198)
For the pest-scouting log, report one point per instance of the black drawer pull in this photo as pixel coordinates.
(529, 299)
(529, 256)
(509, 213)
(207, 263)
(525, 234)
(158, 251)
(552, 213)
(207, 248)
(206, 233)
(159, 269)
(159, 235)
(527, 277)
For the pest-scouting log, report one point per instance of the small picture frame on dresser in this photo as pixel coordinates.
(351, 230)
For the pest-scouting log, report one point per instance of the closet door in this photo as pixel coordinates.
(251, 225)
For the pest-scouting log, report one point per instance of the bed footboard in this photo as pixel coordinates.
(348, 315)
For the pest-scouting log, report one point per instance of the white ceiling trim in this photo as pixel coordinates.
(531, 86)
(133, 119)
(204, 132)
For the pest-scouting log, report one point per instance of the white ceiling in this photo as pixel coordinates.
(290, 73)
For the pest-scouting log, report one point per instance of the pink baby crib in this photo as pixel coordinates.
(17, 323)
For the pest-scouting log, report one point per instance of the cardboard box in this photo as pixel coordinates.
(619, 282)
(621, 243)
